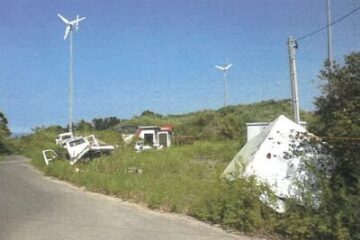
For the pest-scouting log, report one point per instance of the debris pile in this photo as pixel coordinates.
(77, 147)
(149, 137)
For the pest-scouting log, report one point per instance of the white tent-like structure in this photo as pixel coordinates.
(266, 157)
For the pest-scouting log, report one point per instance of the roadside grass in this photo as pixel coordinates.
(183, 179)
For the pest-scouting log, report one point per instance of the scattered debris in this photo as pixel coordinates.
(140, 146)
(77, 147)
(134, 170)
(49, 155)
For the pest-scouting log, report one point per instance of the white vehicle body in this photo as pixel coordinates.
(49, 155)
(140, 146)
(62, 138)
(80, 146)
(77, 147)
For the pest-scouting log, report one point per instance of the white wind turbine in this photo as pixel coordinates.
(224, 69)
(70, 26)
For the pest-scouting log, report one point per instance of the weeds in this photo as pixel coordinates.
(183, 179)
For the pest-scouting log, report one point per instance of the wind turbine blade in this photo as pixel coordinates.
(67, 30)
(228, 66)
(220, 68)
(77, 20)
(63, 19)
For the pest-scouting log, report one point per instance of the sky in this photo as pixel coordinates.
(159, 55)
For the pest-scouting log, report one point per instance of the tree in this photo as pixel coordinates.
(150, 114)
(105, 123)
(4, 134)
(338, 111)
(4, 129)
(83, 125)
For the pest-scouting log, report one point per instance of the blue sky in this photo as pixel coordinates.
(159, 55)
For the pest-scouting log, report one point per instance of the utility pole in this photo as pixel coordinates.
(292, 46)
(329, 35)
(71, 82)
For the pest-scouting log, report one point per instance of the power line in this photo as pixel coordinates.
(333, 23)
(351, 139)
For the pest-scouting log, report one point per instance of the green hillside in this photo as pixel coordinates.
(224, 123)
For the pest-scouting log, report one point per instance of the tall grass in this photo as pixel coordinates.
(183, 179)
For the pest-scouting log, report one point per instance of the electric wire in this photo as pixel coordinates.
(331, 24)
(341, 138)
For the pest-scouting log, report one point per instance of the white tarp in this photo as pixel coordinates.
(264, 156)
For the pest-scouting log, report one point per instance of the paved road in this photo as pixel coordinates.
(36, 207)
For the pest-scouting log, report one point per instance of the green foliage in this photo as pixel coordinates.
(225, 123)
(5, 147)
(339, 110)
(234, 204)
(42, 138)
(4, 129)
(83, 126)
(336, 119)
(183, 179)
(150, 114)
(105, 123)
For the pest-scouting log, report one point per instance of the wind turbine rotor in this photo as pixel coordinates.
(70, 25)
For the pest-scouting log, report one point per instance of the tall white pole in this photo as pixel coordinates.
(292, 45)
(225, 88)
(71, 81)
(329, 35)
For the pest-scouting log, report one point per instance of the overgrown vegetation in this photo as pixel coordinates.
(225, 123)
(186, 179)
(183, 179)
(214, 125)
(6, 146)
(338, 122)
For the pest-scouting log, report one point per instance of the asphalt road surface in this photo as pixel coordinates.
(36, 207)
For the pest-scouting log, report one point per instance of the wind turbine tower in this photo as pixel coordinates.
(224, 69)
(70, 27)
